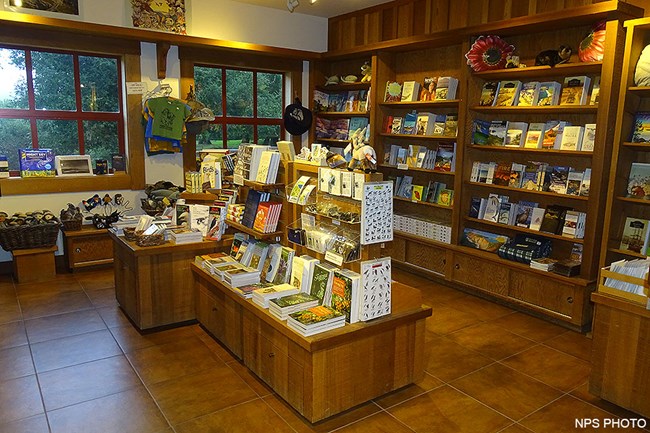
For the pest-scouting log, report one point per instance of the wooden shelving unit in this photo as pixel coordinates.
(254, 233)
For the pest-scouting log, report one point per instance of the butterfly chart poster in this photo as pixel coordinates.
(376, 288)
(377, 212)
(163, 15)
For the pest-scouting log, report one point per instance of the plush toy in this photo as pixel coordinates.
(366, 71)
(554, 57)
(330, 81)
(364, 156)
(642, 70)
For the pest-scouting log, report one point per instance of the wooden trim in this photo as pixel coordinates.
(135, 130)
(47, 185)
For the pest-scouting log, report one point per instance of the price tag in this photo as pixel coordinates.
(136, 88)
(402, 167)
(333, 257)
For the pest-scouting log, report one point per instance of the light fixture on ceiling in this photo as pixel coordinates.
(292, 4)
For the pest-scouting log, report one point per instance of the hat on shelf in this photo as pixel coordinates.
(297, 119)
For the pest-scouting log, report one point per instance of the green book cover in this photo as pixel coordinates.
(288, 301)
(322, 278)
(315, 315)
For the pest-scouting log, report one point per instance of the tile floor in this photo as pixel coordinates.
(71, 362)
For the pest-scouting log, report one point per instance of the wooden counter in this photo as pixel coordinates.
(620, 370)
(153, 285)
(327, 373)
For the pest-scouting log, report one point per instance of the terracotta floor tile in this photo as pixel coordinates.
(446, 319)
(79, 383)
(447, 410)
(131, 411)
(102, 297)
(481, 308)
(506, 390)
(561, 415)
(12, 335)
(555, 368)
(130, 339)
(257, 384)
(62, 283)
(529, 326)
(114, 316)
(254, 416)
(301, 425)
(515, 428)
(448, 360)
(7, 293)
(396, 397)
(48, 304)
(96, 279)
(171, 360)
(215, 346)
(381, 422)
(78, 349)
(10, 311)
(573, 343)
(490, 340)
(19, 398)
(582, 392)
(434, 294)
(35, 424)
(63, 325)
(15, 362)
(195, 395)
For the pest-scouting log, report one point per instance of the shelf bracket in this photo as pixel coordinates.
(162, 48)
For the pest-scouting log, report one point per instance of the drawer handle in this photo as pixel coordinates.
(271, 355)
(77, 250)
(569, 300)
(457, 266)
(444, 261)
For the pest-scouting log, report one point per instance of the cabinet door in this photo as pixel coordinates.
(481, 274)
(426, 256)
(545, 292)
(86, 249)
(395, 249)
(220, 314)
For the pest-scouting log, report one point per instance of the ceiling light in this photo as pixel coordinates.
(292, 4)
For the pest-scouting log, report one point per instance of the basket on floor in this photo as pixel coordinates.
(29, 236)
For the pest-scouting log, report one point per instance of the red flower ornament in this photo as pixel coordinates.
(488, 52)
(592, 47)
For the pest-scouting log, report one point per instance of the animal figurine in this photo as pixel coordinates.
(334, 79)
(366, 71)
(554, 57)
(364, 156)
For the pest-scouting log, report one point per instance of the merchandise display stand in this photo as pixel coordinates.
(26, 261)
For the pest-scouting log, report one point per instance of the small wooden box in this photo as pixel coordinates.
(34, 264)
(633, 297)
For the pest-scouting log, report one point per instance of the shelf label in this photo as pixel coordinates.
(335, 258)
(136, 88)
(402, 167)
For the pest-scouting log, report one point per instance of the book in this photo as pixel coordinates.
(524, 214)
(558, 181)
(480, 131)
(549, 93)
(553, 130)
(336, 102)
(575, 90)
(409, 123)
(321, 101)
(283, 306)
(428, 89)
(589, 137)
(641, 131)
(445, 157)
(425, 124)
(393, 92)
(346, 294)
(416, 192)
(595, 91)
(198, 218)
(502, 174)
(574, 182)
(446, 197)
(282, 272)
(638, 182)
(553, 220)
(488, 93)
(439, 124)
(263, 296)
(315, 320)
(356, 124)
(410, 91)
(451, 125)
(37, 163)
(446, 88)
(492, 208)
(375, 296)
(586, 183)
(570, 228)
(396, 126)
(516, 134)
(536, 218)
(498, 132)
(297, 188)
(482, 240)
(528, 94)
(216, 223)
(321, 283)
(535, 135)
(507, 93)
(572, 138)
(634, 234)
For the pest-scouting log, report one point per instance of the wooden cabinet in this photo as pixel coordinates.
(216, 311)
(327, 373)
(87, 247)
(481, 274)
(154, 285)
(621, 353)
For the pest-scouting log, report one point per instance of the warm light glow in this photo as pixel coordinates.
(18, 3)
(313, 1)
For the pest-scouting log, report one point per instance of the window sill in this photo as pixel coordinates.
(60, 184)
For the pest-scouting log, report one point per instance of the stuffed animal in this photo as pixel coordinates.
(366, 71)
(364, 156)
(554, 57)
(330, 81)
(642, 70)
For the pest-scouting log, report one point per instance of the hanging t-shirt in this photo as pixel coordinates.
(169, 116)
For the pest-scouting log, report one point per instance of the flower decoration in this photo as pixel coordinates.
(592, 47)
(488, 52)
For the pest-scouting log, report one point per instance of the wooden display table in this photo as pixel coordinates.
(87, 247)
(34, 264)
(153, 285)
(621, 353)
(327, 373)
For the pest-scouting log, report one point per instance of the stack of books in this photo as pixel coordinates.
(282, 307)
(267, 217)
(543, 264)
(246, 292)
(567, 267)
(242, 276)
(635, 268)
(185, 235)
(207, 261)
(315, 320)
(263, 296)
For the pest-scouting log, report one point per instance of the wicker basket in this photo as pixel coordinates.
(72, 225)
(129, 234)
(149, 240)
(29, 236)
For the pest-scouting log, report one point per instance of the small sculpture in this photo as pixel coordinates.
(554, 57)
(334, 79)
(366, 72)
(364, 156)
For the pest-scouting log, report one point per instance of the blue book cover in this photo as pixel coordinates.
(481, 131)
(410, 120)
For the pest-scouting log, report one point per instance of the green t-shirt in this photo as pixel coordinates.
(169, 116)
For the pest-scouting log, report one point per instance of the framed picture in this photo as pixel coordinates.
(162, 15)
(44, 7)
(73, 165)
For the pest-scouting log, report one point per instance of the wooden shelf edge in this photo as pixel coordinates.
(527, 149)
(426, 170)
(254, 233)
(525, 230)
(643, 146)
(531, 191)
(421, 137)
(557, 109)
(423, 203)
(638, 201)
(620, 303)
(421, 239)
(343, 114)
(344, 86)
(567, 69)
(48, 185)
(434, 103)
(627, 253)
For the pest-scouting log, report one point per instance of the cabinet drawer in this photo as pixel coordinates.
(426, 256)
(217, 313)
(91, 248)
(544, 292)
(481, 274)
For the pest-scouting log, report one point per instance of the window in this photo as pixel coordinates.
(65, 101)
(248, 106)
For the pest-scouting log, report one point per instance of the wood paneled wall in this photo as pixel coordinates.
(405, 18)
